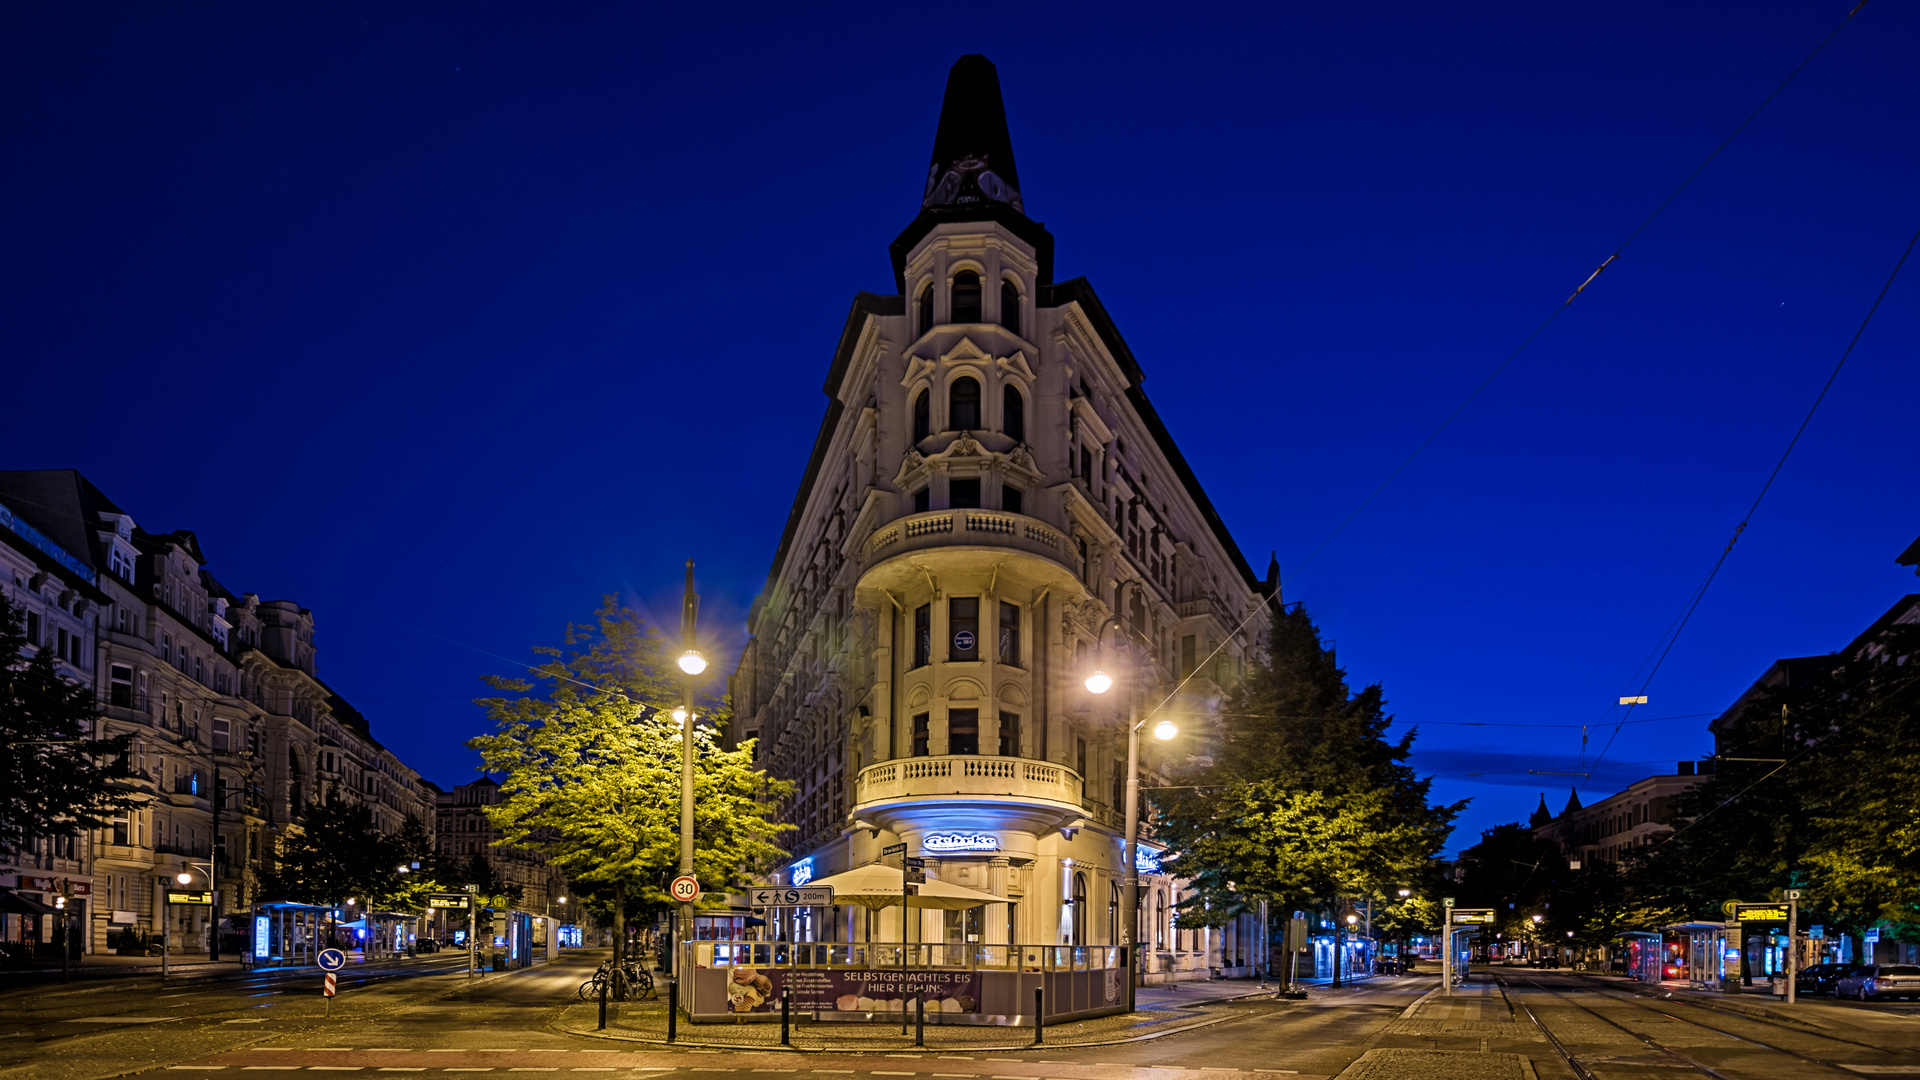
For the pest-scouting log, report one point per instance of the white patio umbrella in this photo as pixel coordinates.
(875, 886)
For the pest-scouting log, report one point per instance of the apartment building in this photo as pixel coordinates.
(234, 733)
(991, 508)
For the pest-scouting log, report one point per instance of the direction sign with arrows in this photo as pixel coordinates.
(803, 896)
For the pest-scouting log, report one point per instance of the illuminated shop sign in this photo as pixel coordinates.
(262, 936)
(960, 842)
(801, 871)
(1146, 861)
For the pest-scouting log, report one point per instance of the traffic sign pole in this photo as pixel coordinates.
(1793, 941)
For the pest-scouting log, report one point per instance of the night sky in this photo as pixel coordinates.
(444, 321)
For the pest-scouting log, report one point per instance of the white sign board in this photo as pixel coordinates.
(810, 896)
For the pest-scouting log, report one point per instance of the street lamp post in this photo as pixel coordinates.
(1099, 683)
(692, 664)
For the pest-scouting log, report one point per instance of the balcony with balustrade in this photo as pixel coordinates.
(1003, 791)
(930, 536)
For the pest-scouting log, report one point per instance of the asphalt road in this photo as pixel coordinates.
(428, 1020)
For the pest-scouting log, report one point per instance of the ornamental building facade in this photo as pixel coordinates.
(234, 735)
(989, 491)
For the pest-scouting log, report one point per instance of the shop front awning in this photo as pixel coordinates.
(14, 903)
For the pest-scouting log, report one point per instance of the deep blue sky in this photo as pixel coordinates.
(445, 320)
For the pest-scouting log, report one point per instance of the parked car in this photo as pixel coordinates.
(1819, 978)
(1869, 982)
(426, 945)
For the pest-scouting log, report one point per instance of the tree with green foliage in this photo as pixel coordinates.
(340, 854)
(591, 754)
(55, 778)
(1832, 814)
(1300, 799)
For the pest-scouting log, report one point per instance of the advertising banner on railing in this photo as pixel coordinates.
(849, 990)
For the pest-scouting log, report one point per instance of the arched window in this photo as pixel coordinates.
(926, 307)
(1113, 914)
(922, 416)
(1013, 414)
(963, 403)
(1010, 306)
(1079, 908)
(1160, 923)
(966, 298)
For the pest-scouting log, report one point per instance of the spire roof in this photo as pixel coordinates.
(1541, 815)
(1573, 800)
(972, 151)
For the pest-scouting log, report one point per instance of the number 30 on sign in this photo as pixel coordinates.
(684, 889)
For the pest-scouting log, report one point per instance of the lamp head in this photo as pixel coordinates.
(1099, 682)
(1406, 892)
(349, 901)
(1165, 730)
(692, 662)
(1352, 919)
(680, 715)
(563, 899)
(1536, 919)
(183, 877)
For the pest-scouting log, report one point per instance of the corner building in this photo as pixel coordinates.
(989, 488)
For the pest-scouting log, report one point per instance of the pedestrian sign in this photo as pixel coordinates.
(684, 889)
(809, 896)
(331, 959)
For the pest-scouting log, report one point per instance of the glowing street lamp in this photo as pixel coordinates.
(1099, 682)
(692, 662)
(1165, 730)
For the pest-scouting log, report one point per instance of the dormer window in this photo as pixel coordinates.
(1010, 307)
(922, 417)
(966, 297)
(963, 405)
(926, 308)
(1013, 413)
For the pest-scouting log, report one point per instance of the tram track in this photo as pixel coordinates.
(1630, 998)
(1586, 1072)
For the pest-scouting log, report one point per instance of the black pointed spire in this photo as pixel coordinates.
(972, 152)
(1573, 801)
(972, 177)
(1541, 815)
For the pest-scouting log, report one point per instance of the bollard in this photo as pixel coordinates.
(1039, 1014)
(673, 1008)
(786, 1017)
(604, 983)
(920, 1018)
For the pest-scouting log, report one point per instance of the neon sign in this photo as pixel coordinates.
(1146, 860)
(801, 871)
(961, 842)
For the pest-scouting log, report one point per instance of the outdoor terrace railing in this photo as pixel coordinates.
(968, 774)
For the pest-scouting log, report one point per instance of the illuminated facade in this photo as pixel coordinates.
(234, 735)
(989, 488)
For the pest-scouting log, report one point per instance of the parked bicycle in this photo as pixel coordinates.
(639, 982)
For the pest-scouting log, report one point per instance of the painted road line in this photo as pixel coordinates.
(335, 1068)
(255, 1068)
(591, 1068)
(397, 1068)
(120, 1019)
(485, 1069)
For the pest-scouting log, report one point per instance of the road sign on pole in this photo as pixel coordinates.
(685, 889)
(331, 986)
(804, 896)
(331, 959)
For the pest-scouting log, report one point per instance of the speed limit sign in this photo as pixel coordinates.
(685, 889)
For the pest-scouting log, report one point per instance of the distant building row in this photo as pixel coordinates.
(234, 734)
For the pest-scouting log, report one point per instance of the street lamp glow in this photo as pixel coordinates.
(349, 901)
(1352, 920)
(680, 715)
(692, 662)
(1165, 730)
(1406, 893)
(183, 877)
(1099, 682)
(1537, 918)
(563, 899)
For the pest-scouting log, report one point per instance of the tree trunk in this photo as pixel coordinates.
(619, 940)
